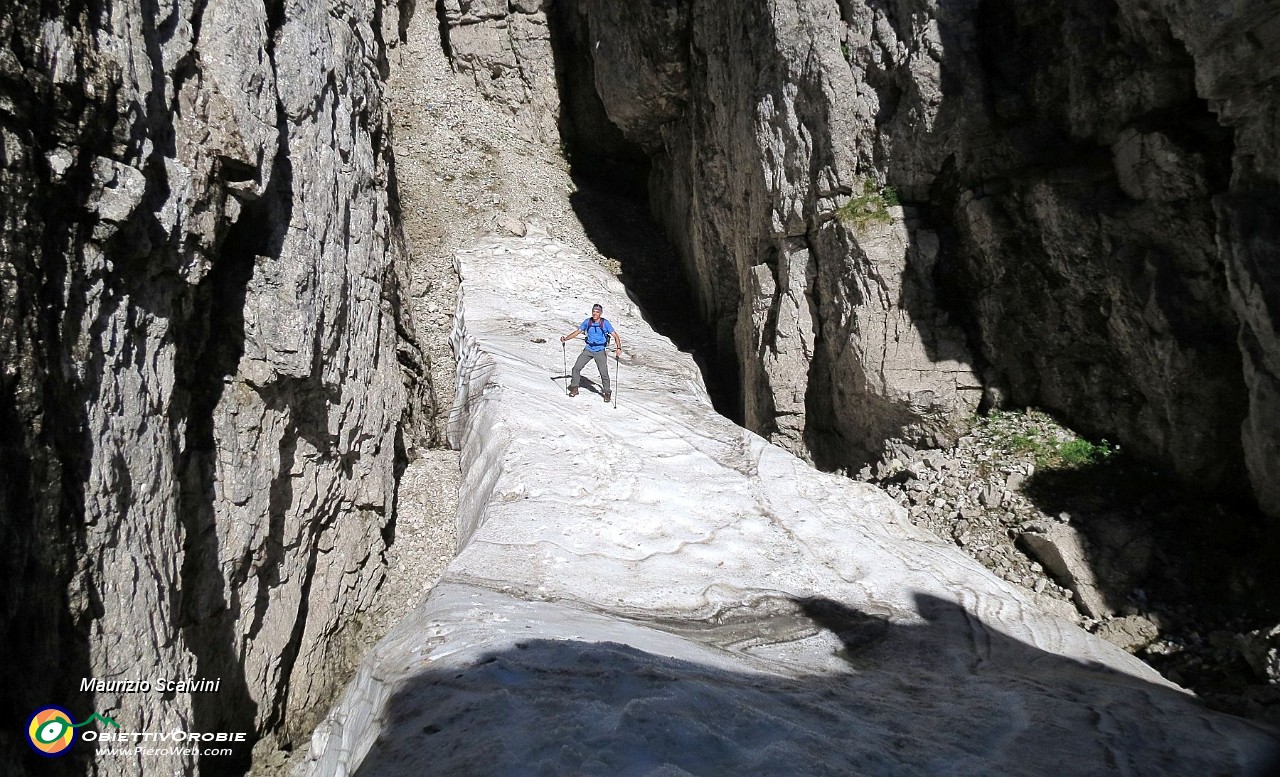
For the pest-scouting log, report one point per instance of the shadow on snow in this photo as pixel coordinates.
(951, 696)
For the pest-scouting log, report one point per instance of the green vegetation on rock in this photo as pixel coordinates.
(868, 208)
(1053, 446)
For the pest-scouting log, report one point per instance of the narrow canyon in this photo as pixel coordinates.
(875, 230)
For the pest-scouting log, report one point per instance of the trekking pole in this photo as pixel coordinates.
(564, 358)
(617, 377)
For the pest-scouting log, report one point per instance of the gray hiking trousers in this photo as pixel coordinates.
(602, 364)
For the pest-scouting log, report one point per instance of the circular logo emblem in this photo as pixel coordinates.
(49, 731)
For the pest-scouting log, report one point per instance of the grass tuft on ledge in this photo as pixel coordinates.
(868, 208)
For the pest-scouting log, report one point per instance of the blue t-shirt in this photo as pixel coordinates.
(597, 334)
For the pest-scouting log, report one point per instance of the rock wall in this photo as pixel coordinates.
(1083, 186)
(1086, 231)
(505, 47)
(759, 133)
(204, 359)
(1236, 71)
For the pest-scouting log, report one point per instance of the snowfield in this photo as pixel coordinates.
(652, 590)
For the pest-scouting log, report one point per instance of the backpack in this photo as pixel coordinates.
(599, 332)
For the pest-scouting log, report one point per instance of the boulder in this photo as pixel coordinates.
(1131, 632)
(1261, 649)
(1062, 551)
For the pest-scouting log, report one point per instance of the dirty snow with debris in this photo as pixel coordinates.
(653, 590)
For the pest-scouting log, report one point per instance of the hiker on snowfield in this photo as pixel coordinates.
(597, 330)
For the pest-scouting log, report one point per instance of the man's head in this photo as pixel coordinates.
(596, 310)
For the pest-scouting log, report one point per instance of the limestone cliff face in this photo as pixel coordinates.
(758, 134)
(203, 382)
(505, 46)
(1084, 186)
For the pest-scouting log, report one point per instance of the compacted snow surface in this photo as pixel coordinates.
(652, 590)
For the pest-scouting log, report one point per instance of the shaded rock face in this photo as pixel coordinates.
(1083, 186)
(202, 378)
(1097, 285)
(1236, 70)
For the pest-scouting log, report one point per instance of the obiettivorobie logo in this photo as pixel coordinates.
(51, 732)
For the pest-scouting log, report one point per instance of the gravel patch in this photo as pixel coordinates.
(1098, 538)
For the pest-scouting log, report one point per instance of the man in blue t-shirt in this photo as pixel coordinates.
(597, 330)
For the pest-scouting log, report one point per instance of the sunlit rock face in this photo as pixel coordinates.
(1083, 184)
(647, 588)
(758, 130)
(504, 48)
(200, 388)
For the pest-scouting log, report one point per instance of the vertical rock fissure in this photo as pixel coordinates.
(1109, 209)
(443, 22)
(612, 202)
(206, 361)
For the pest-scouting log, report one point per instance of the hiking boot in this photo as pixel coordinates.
(607, 396)
(573, 391)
